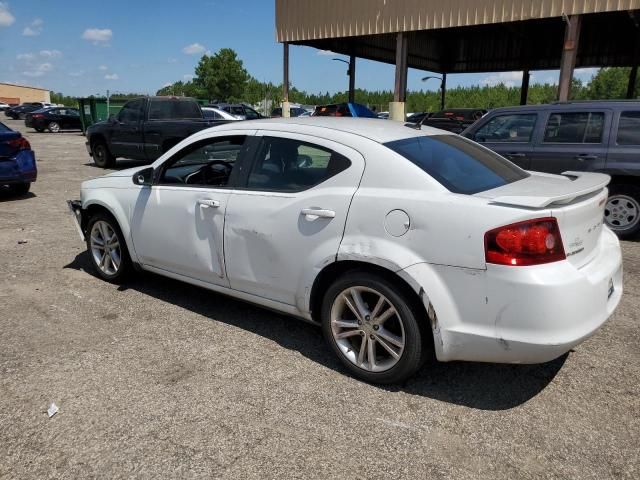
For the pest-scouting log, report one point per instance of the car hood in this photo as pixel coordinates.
(119, 179)
(127, 172)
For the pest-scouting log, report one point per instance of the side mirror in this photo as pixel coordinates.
(143, 177)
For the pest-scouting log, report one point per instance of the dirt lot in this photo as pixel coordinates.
(161, 379)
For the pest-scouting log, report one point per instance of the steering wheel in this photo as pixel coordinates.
(206, 175)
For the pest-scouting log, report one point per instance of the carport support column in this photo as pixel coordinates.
(569, 54)
(352, 78)
(524, 88)
(631, 87)
(397, 107)
(443, 90)
(285, 81)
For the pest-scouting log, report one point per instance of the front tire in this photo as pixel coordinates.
(107, 249)
(622, 212)
(102, 156)
(373, 328)
(20, 188)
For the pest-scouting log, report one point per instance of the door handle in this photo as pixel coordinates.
(207, 203)
(317, 212)
(586, 156)
(515, 154)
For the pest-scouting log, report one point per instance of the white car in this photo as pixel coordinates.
(400, 242)
(213, 113)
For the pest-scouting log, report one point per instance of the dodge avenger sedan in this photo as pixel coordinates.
(401, 242)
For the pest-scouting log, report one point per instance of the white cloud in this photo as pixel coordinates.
(194, 49)
(188, 77)
(111, 76)
(325, 52)
(50, 53)
(76, 74)
(104, 68)
(34, 29)
(26, 57)
(99, 36)
(509, 79)
(6, 18)
(38, 70)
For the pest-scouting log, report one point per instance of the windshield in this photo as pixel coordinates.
(460, 165)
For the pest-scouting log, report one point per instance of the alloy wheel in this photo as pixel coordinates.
(105, 248)
(367, 329)
(54, 127)
(622, 212)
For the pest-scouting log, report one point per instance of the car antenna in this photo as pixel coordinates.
(417, 126)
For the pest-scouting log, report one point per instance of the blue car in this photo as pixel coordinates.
(17, 161)
(344, 110)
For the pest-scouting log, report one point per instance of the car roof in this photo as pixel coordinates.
(380, 131)
(575, 105)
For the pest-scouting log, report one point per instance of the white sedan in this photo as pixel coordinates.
(402, 243)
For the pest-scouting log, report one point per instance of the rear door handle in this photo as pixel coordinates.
(586, 156)
(207, 203)
(515, 154)
(317, 212)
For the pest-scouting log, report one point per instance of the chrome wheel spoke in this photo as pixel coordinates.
(347, 334)
(386, 315)
(352, 307)
(388, 347)
(345, 323)
(360, 305)
(376, 310)
(387, 336)
(371, 353)
(363, 350)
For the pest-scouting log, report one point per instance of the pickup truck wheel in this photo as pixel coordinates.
(107, 248)
(373, 328)
(622, 211)
(102, 156)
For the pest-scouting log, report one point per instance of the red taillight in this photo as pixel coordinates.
(19, 144)
(37, 115)
(532, 242)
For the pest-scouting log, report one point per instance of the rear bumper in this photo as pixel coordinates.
(19, 169)
(525, 314)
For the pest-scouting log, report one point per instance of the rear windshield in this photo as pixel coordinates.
(460, 165)
(173, 109)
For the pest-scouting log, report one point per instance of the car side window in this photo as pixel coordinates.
(574, 127)
(629, 128)
(511, 128)
(287, 165)
(206, 163)
(131, 112)
(250, 113)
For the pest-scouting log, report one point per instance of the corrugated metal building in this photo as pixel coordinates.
(463, 36)
(14, 94)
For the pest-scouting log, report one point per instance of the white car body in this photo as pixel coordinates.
(385, 211)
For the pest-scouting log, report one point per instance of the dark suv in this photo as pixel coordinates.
(595, 136)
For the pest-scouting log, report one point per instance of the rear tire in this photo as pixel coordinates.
(102, 156)
(622, 212)
(107, 249)
(20, 188)
(21, 116)
(54, 127)
(396, 343)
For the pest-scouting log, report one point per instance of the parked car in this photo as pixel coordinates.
(596, 136)
(383, 115)
(306, 113)
(17, 161)
(20, 112)
(4, 106)
(293, 112)
(344, 110)
(238, 109)
(145, 128)
(54, 119)
(213, 113)
(454, 120)
(398, 241)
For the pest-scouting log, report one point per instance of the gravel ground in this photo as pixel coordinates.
(162, 379)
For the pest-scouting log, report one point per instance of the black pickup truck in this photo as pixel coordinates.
(145, 128)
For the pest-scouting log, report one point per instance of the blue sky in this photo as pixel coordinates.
(84, 47)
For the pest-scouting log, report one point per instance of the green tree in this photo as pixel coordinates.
(221, 76)
(610, 83)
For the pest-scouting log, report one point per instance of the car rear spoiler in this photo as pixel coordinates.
(578, 185)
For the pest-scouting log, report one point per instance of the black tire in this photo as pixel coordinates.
(54, 127)
(622, 212)
(21, 116)
(102, 156)
(125, 267)
(39, 129)
(20, 188)
(416, 346)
